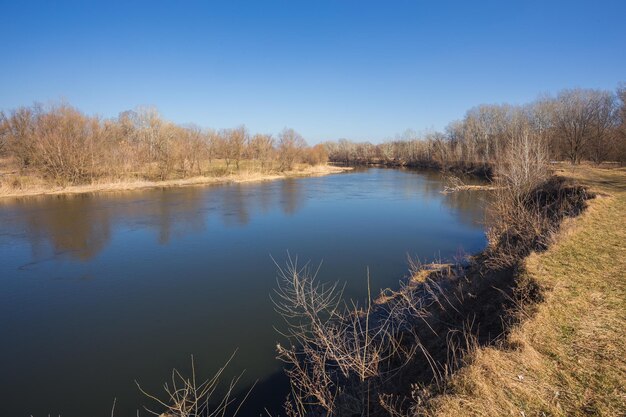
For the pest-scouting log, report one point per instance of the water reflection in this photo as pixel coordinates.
(235, 206)
(291, 198)
(80, 226)
(71, 225)
(469, 206)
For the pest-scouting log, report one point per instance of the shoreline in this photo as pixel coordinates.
(548, 367)
(554, 286)
(484, 171)
(238, 178)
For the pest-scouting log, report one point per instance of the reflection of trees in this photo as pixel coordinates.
(81, 225)
(234, 205)
(425, 182)
(469, 206)
(72, 224)
(266, 193)
(176, 212)
(290, 195)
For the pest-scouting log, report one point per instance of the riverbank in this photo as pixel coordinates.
(479, 170)
(566, 356)
(530, 326)
(39, 188)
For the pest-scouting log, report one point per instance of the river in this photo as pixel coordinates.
(100, 290)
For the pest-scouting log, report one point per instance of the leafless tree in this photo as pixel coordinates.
(290, 147)
(4, 132)
(19, 134)
(261, 149)
(604, 126)
(620, 134)
(316, 155)
(574, 116)
(65, 144)
(237, 142)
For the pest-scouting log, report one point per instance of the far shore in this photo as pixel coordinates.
(127, 185)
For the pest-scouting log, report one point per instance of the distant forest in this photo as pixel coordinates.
(576, 125)
(61, 144)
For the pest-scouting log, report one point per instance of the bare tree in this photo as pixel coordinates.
(222, 145)
(65, 144)
(211, 143)
(4, 132)
(148, 124)
(237, 141)
(19, 134)
(261, 149)
(317, 155)
(620, 134)
(290, 147)
(605, 122)
(574, 117)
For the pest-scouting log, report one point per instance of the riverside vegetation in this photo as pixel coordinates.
(573, 126)
(530, 326)
(497, 333)
(59, 149)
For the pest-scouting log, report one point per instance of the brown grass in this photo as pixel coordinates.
(568, 358)
(14, 184)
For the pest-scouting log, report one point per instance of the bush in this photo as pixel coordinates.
(522, 222)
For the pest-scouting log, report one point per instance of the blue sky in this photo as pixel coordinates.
(329, 69)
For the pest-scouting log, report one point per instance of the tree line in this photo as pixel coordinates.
(576, 125)
(63, 144)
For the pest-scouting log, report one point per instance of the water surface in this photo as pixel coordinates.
(99, 290)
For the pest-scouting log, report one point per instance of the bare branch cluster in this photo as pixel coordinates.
(187, 396)
(339, 355)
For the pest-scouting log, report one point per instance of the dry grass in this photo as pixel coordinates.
(14, 184)
(568, 358)
(454, 184)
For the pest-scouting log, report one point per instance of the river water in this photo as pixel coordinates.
(100, 290)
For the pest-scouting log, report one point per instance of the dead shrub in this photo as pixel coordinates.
(316, 155)
(339, 355)
(528, 204)
(186, 396)
(522, 222)
(65, 145)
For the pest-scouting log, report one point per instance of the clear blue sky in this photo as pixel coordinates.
(329, 69)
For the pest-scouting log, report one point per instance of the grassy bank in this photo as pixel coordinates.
(15, 185)
(533, 325)
(567, 357)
